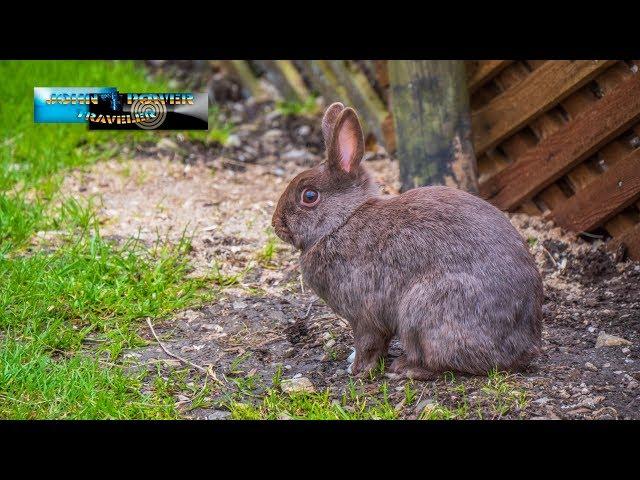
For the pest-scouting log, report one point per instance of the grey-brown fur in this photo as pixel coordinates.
(442, 269)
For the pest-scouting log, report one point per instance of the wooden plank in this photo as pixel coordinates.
(294, 79)
(630, 239)
(558, 153)
(242, 71)
(280, 80)
(486, 70)
(614, 190)
(365, 99)
(382, 76)
(543, 88)
(430, 106)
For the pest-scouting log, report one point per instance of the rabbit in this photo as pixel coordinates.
(439, 268)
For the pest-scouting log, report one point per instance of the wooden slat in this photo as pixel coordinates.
(284, 79)
(557, 154)
(543, 88)
(366, 100)
(242, 71)
(630, 239)
(294, 78)
(486, 70)
(615, 190)
(382, 77)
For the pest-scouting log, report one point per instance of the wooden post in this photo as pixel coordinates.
(430, 105)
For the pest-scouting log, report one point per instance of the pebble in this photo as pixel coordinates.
(238, 305)
(591, 366)
(626, 350)
(304, 130)
(606, 340)
(219, 415)
(299, 384)
(167, 143)
(352, 357)
(233, 141)
(294, 155)
(330, 343)
(424, 404)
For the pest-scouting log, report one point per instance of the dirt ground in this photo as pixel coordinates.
(225, 198)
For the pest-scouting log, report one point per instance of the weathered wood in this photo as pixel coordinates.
(430, 107)
(616, 189)
(630, 239)
(485, 71)
(336, 92)
(544, 87)
(382, 77)
(242, 71)
(294, 79)
(366, 100)
(558, 153)
(280, 77)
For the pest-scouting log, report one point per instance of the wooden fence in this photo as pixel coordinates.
(557, 138)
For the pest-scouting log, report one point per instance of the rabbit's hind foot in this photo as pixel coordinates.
(401, 368)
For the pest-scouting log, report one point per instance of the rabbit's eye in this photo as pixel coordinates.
(310, 196)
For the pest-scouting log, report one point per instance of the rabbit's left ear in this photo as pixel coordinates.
(347, 144)
(329, 122)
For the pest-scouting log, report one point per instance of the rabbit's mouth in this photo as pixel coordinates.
(282, 231)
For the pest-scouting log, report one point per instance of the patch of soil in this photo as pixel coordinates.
(271, 320)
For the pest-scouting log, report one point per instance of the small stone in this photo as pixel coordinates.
(330, 343)
(169, 362)
(238, 305)
(212, 326)
(294, 155)
(300, 384)
(591, 366)
(168, 144)
(219, 415)
(542, 401)
(304, 130)
(606, 340)
(626, 350)
(233, 141)
(288, 353)
(427, 403)
(352, 357)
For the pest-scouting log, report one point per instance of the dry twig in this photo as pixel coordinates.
(204, 370)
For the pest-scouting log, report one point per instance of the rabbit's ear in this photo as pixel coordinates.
(347, 144)
(329, 121)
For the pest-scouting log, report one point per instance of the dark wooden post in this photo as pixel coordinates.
(430, 104)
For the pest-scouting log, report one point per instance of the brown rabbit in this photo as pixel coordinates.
(440, 268)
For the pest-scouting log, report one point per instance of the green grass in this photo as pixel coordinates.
(504, 396)
(32, 151)
(35, 385)
(70, 301)
(294, 108)
(312, 406)
(273, 404)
